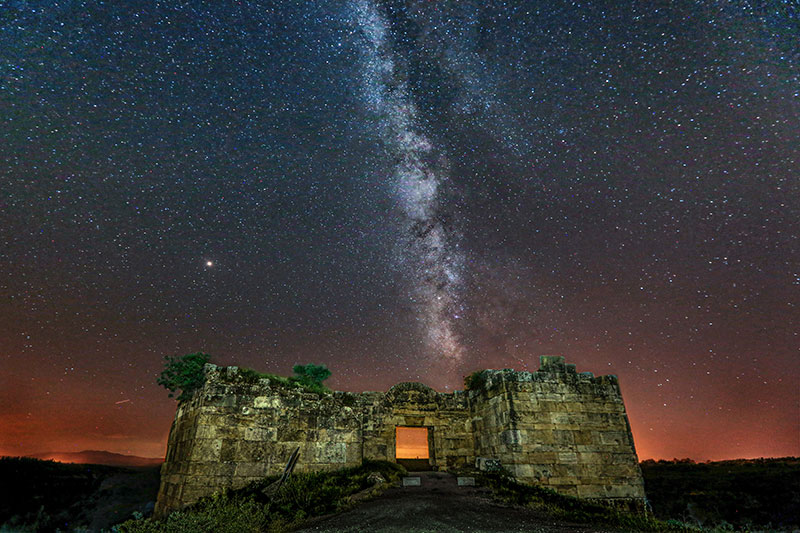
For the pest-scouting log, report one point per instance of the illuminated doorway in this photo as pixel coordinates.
(412, 447)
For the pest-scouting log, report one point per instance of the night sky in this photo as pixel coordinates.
(404, 191)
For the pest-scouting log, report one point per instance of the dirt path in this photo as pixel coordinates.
(439, 505)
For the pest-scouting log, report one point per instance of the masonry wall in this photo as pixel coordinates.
(238, 429)
(560, 429)
(413, 404)
(553, 427)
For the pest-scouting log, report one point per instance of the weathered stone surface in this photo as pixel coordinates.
(554, 427)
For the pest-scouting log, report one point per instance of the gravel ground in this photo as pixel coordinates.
(439, 505)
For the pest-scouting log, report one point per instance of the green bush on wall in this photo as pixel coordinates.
(311, 374)
(476, 381)
(186, 373)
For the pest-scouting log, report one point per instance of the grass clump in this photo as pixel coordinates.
(281, 381)
(476, 381)
(248, 509)
(571, 509)
(219, 513)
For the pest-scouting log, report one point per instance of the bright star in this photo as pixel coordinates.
(209, 263)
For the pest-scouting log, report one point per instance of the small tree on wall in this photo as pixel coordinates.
(311, 375)
(185, 373)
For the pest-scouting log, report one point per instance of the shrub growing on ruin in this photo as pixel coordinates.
(311, 375)
(296, 382)
(475, 381)
(186, 373)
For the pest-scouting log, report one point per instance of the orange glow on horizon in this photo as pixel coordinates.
(58, 458)
(412, 443)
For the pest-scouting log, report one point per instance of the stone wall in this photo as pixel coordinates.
(446, 416)
(560, 429)
(238, 429)
(553, 427)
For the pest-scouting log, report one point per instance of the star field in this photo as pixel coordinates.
(401, 190)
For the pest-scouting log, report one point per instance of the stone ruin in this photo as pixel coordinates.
(554, 427)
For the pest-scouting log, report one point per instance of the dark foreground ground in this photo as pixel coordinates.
(754, 495)
(439, 505)
(40, 495)
(743, 494)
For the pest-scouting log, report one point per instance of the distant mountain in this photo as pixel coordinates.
(96, 457)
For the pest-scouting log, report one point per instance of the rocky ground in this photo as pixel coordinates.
(439, 505)
(123, 494)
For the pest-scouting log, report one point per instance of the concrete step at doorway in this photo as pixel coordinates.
(430, 480)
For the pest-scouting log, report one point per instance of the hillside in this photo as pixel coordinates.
(96, 457)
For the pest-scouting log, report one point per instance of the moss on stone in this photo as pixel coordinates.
(252, 376)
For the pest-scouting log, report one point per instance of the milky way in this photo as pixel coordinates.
(428, 244)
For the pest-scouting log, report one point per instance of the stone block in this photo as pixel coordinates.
(488, 464)
(512, 436)
(294, 433)
(545, 437)
(591, 491)
(522, 470)
(267, 402)
(466, 481)
(566, 490)
(541, 458)
(229, 451)
(566, 470)
(330, 453)
(564, 481)
(552, 363)
(206, 450)
(567, 457)
(193, 494)
(582, 437)
(613, 437)
(411, 481)
(564, 438)
(257, 470)
(260, 434)
(206, 432)
(251, 451)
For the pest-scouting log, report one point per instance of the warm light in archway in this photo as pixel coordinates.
(412, 443)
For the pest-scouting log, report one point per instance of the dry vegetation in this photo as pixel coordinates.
(250, 510)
